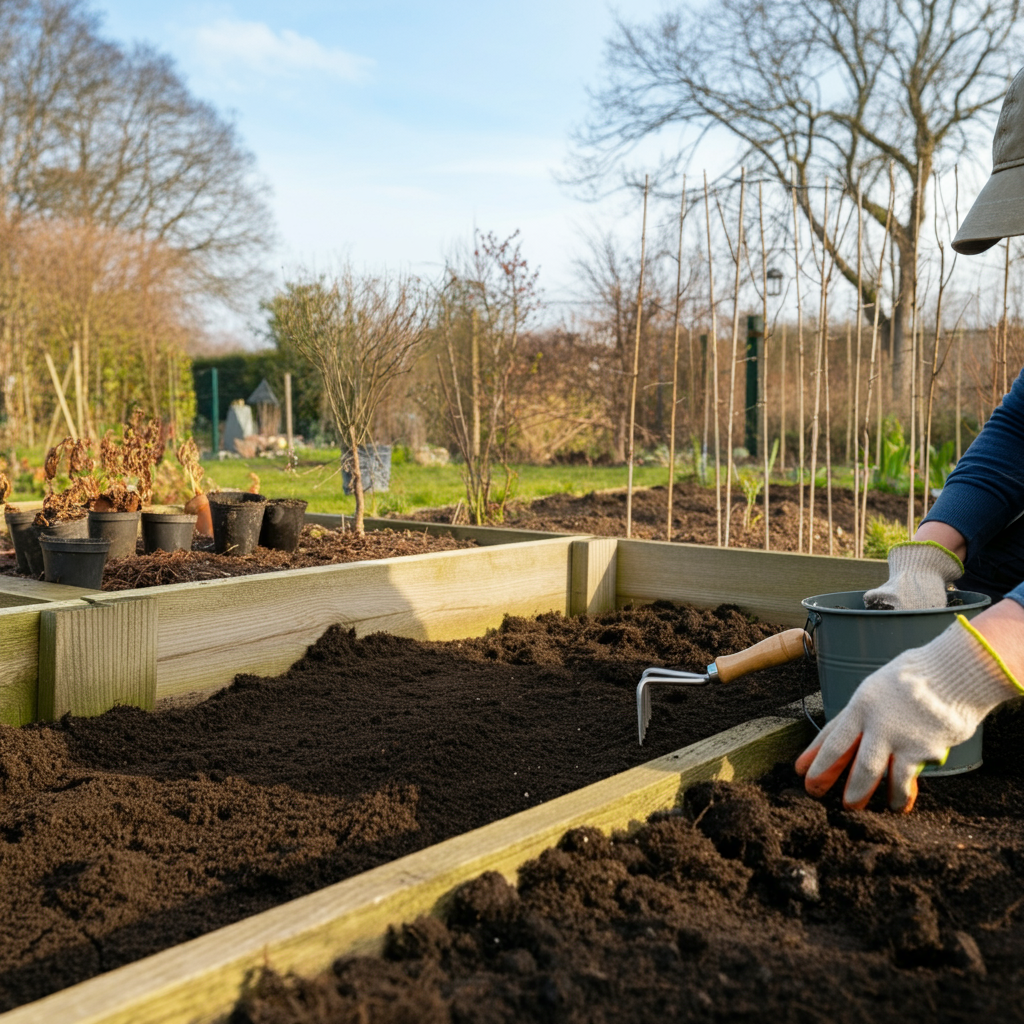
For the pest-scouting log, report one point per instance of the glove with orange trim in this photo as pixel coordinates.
(908, 714)
(919, 571)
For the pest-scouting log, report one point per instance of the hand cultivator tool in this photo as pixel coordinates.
(776, 650)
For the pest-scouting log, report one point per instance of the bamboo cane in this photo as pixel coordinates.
(959, 386)
(735, 357)
(935, 354)
(764, 363)
(913, 353)
(782, 407)
(799, 365)
(675, 367)
(849, 389)
(874, 353)
(815, 418)
(636, 370)
(1006, 322)
(714, 367)
(857, 552)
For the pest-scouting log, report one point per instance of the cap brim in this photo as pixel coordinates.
(997, 213)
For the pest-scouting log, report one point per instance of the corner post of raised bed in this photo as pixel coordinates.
(592, 573)
(96, 656)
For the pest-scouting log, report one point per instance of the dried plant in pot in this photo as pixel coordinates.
(128, 467)
(199, 504)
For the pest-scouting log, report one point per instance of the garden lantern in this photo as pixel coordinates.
(774, 282)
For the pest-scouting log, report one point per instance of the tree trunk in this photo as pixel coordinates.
(357, 486)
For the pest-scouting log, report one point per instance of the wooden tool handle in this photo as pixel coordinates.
(776, 650)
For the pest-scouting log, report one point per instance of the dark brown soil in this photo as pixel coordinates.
(694, 520)
(127, 833)
(756, 904)
(317, 546)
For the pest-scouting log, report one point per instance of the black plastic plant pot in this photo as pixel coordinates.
(120, 528)
(66, 529)
(237, 518)
(23, 537)
(75, 562)
(167, 531)
(282, 523)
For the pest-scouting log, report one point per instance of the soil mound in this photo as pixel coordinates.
(127, 833)
(754, 903)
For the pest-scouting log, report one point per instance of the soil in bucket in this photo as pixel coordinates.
(167, 531)
(283, 519)
(75, 562)
(237, 518)
(63, 529)
(120, 528)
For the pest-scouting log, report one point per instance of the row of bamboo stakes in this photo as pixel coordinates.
(922, 399)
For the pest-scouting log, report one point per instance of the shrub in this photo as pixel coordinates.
(882, 534)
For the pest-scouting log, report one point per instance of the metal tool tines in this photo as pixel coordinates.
(654, 676)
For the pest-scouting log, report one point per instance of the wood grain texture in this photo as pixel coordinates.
(768, 584)
(200, 980)
(593, 575)
(19, 664)
(211, 631)
(773, 650)
(485, 536)
(16, 591)
(98, 656)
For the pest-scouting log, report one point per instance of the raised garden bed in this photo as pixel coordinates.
(694, 520)
(318, 545)
(130, 832)
(754, 903)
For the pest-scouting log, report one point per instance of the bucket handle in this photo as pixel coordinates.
(812, 623)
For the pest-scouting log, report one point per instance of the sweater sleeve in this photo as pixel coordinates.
(985, 492)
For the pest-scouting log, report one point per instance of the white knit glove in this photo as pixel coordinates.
(908, 714)
(918, 573)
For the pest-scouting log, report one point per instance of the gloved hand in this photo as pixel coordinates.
(908, 713)
(918, 573)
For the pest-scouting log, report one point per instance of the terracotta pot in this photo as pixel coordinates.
(199, 506)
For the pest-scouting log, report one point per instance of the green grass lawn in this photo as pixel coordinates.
(318, 480)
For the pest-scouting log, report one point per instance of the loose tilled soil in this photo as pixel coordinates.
(317, 546)
(694, 519)
(127, 833)
(757, 903)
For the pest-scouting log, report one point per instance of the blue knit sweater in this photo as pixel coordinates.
(985, 493)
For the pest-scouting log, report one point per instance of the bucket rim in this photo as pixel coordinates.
(973, 601)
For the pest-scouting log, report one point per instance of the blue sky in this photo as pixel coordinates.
(388, 129)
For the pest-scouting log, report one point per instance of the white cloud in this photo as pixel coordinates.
(257, 47)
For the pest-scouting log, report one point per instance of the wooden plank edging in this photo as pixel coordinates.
(768, 584)
(199, 981)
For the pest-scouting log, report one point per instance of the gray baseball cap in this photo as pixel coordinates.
(998, 212)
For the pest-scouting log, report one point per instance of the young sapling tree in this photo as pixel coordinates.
(360, 333)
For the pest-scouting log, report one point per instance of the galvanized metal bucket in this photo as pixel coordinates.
(851, 641)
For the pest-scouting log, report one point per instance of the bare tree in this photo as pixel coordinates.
(111, 143)
(360, 333)
(481, 312)
(827, 87)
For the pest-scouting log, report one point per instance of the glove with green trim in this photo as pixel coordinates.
(908, 714)
(918, 573)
